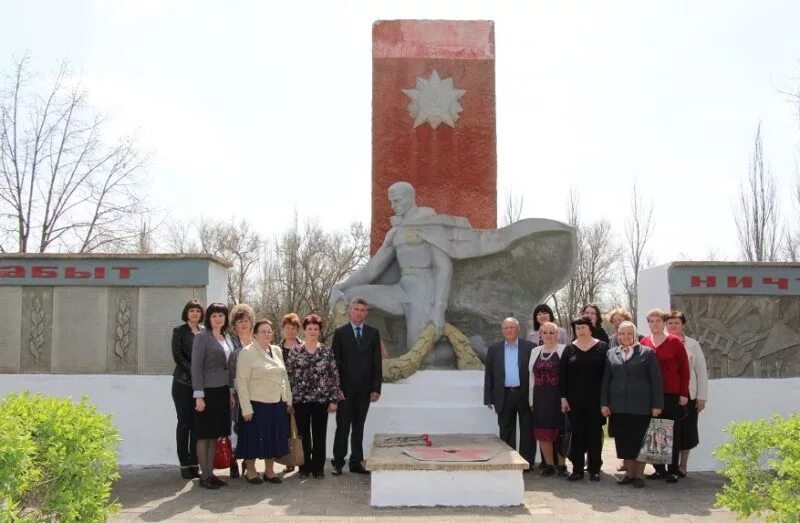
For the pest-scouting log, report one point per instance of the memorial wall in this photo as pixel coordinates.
(99, 314)
(746, 317)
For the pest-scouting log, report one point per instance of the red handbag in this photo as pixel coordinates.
(224, 456)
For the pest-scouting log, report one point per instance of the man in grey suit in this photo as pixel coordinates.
(505, 388)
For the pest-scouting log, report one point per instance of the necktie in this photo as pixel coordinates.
(358, 334)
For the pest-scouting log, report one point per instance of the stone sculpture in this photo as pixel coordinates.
(437, 271)
(745, 336)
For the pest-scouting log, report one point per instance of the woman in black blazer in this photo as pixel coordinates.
(182, 339)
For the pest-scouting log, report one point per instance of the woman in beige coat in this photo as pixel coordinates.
(265, 397)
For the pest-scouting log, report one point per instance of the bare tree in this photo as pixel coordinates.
(512, 210)
(638, 231)
(237, 243)
(61, 186)
(596, 266)
(178, 236)
(299, 270)
(757, 214)
(791, 246)
(567, 300)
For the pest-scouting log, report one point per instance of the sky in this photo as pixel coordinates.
(260, 109)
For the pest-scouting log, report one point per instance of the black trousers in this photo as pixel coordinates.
(587, 437)
(515, 405)
(672, 410)
(351, 413)
(185, 439)
(312, 423)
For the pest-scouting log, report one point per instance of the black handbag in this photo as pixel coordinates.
(565, 438)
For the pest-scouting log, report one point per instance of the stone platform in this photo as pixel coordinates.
(159, 494)
(400, 480)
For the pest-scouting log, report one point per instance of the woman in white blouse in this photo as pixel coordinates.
(698, 387)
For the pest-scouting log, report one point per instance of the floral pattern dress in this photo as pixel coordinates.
(314, 376)
(546, 409)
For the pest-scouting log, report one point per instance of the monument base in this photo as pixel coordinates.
(401, 480)
(432, 401)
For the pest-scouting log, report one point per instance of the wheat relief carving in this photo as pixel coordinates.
(122, 333)
(37, 330)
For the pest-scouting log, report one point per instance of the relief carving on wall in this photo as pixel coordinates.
(122, 332)
(745, 336)
(37, 326)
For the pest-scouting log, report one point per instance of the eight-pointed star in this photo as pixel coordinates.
(434, 101)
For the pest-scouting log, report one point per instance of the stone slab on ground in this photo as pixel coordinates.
(399, 479)
(393, 457)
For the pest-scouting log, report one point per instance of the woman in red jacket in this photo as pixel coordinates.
(674, 363)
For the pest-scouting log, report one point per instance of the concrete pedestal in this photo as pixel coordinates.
(427, 488)
(400, 480)
(432, 401)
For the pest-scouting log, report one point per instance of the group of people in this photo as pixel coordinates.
(228, 375)
(556, 388)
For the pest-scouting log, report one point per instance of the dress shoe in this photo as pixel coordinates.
(186, 473)
(215, 480)
(206, 483)
(528, 470)
(548, 470)
(319, 475)
(656, 475)
(593, 476)
(234, 469)
(626, 480)
(255, 481)
(358, 469)
(671, 478)
(336, 471)
(638, 483)
(575, 476)
(195, 471)
(274, 479)
(562, 471)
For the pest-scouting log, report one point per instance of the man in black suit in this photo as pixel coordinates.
(505, 388)
(357, 348)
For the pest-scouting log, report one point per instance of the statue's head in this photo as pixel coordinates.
(402, 197)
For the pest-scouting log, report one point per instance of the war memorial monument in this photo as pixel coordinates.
(441, 279)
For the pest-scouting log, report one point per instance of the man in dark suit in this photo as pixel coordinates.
(357, 348)
(505, 388)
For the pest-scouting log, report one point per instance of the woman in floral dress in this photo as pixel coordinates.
(315, 389)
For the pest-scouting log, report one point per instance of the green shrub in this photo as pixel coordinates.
(57, 460)
(762, 466)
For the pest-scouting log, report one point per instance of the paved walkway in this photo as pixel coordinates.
(158, 494)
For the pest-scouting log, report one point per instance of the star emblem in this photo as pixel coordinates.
(434, 101)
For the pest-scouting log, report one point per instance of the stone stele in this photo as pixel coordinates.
(426, 73)
(436, 276)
